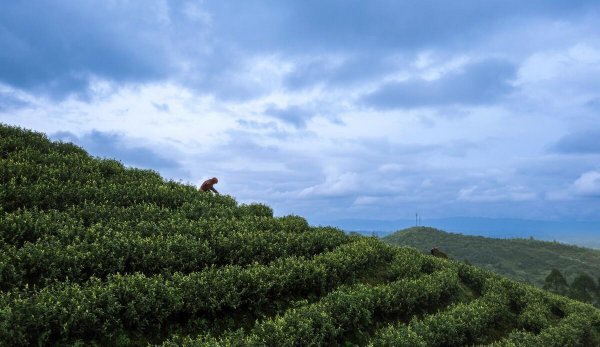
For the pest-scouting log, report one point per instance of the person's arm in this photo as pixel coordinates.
(214, 190)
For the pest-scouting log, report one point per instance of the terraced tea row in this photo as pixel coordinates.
(460, 325)
(106, 251)
(435, 309)
(141, 303)
(22, 226)
(347, 314)
(574, 330)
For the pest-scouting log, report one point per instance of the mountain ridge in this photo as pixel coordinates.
(581, 233)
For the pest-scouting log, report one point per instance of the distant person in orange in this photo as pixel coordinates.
(208, 185)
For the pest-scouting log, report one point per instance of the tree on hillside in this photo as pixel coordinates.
(556, 282)
(583, 288)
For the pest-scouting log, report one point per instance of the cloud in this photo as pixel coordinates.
(594, 104)
(564, 80)
(10, 101)
(335, 185)
(588, 184)
(234, 75)
(161, 107)
(308, 73)
(340, 71)
(312, 26)
(255, 125)
(496, 194)
(478, 83)
(117, 146)
(59, 47)
(587, 142)
(295, 115)
(243, 144)
(391, 167)
(366, 200)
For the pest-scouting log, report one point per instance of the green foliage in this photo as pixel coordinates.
(556, 282)
(461, 324)
(573, 330)
(296, 223)
(93, 253)
(257, 210)
(583, 288)
(520, 259)
(140, 303)
(349, 313)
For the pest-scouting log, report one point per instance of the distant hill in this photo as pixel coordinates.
(94, 253)
(579, 233)
(521, 259)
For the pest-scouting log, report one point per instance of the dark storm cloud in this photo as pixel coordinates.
(315, 25)
(480, 83)
(114, 146)
(587, 142)
(57, 47)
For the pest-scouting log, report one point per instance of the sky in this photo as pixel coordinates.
(330, 109)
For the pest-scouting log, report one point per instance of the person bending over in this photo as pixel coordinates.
(209, 185)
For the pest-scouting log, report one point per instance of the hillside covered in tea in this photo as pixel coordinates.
(522, 259)
(97, 253)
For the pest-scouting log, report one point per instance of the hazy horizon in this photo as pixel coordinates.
(579, 233)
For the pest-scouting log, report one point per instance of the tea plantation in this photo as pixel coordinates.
(94, 253)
